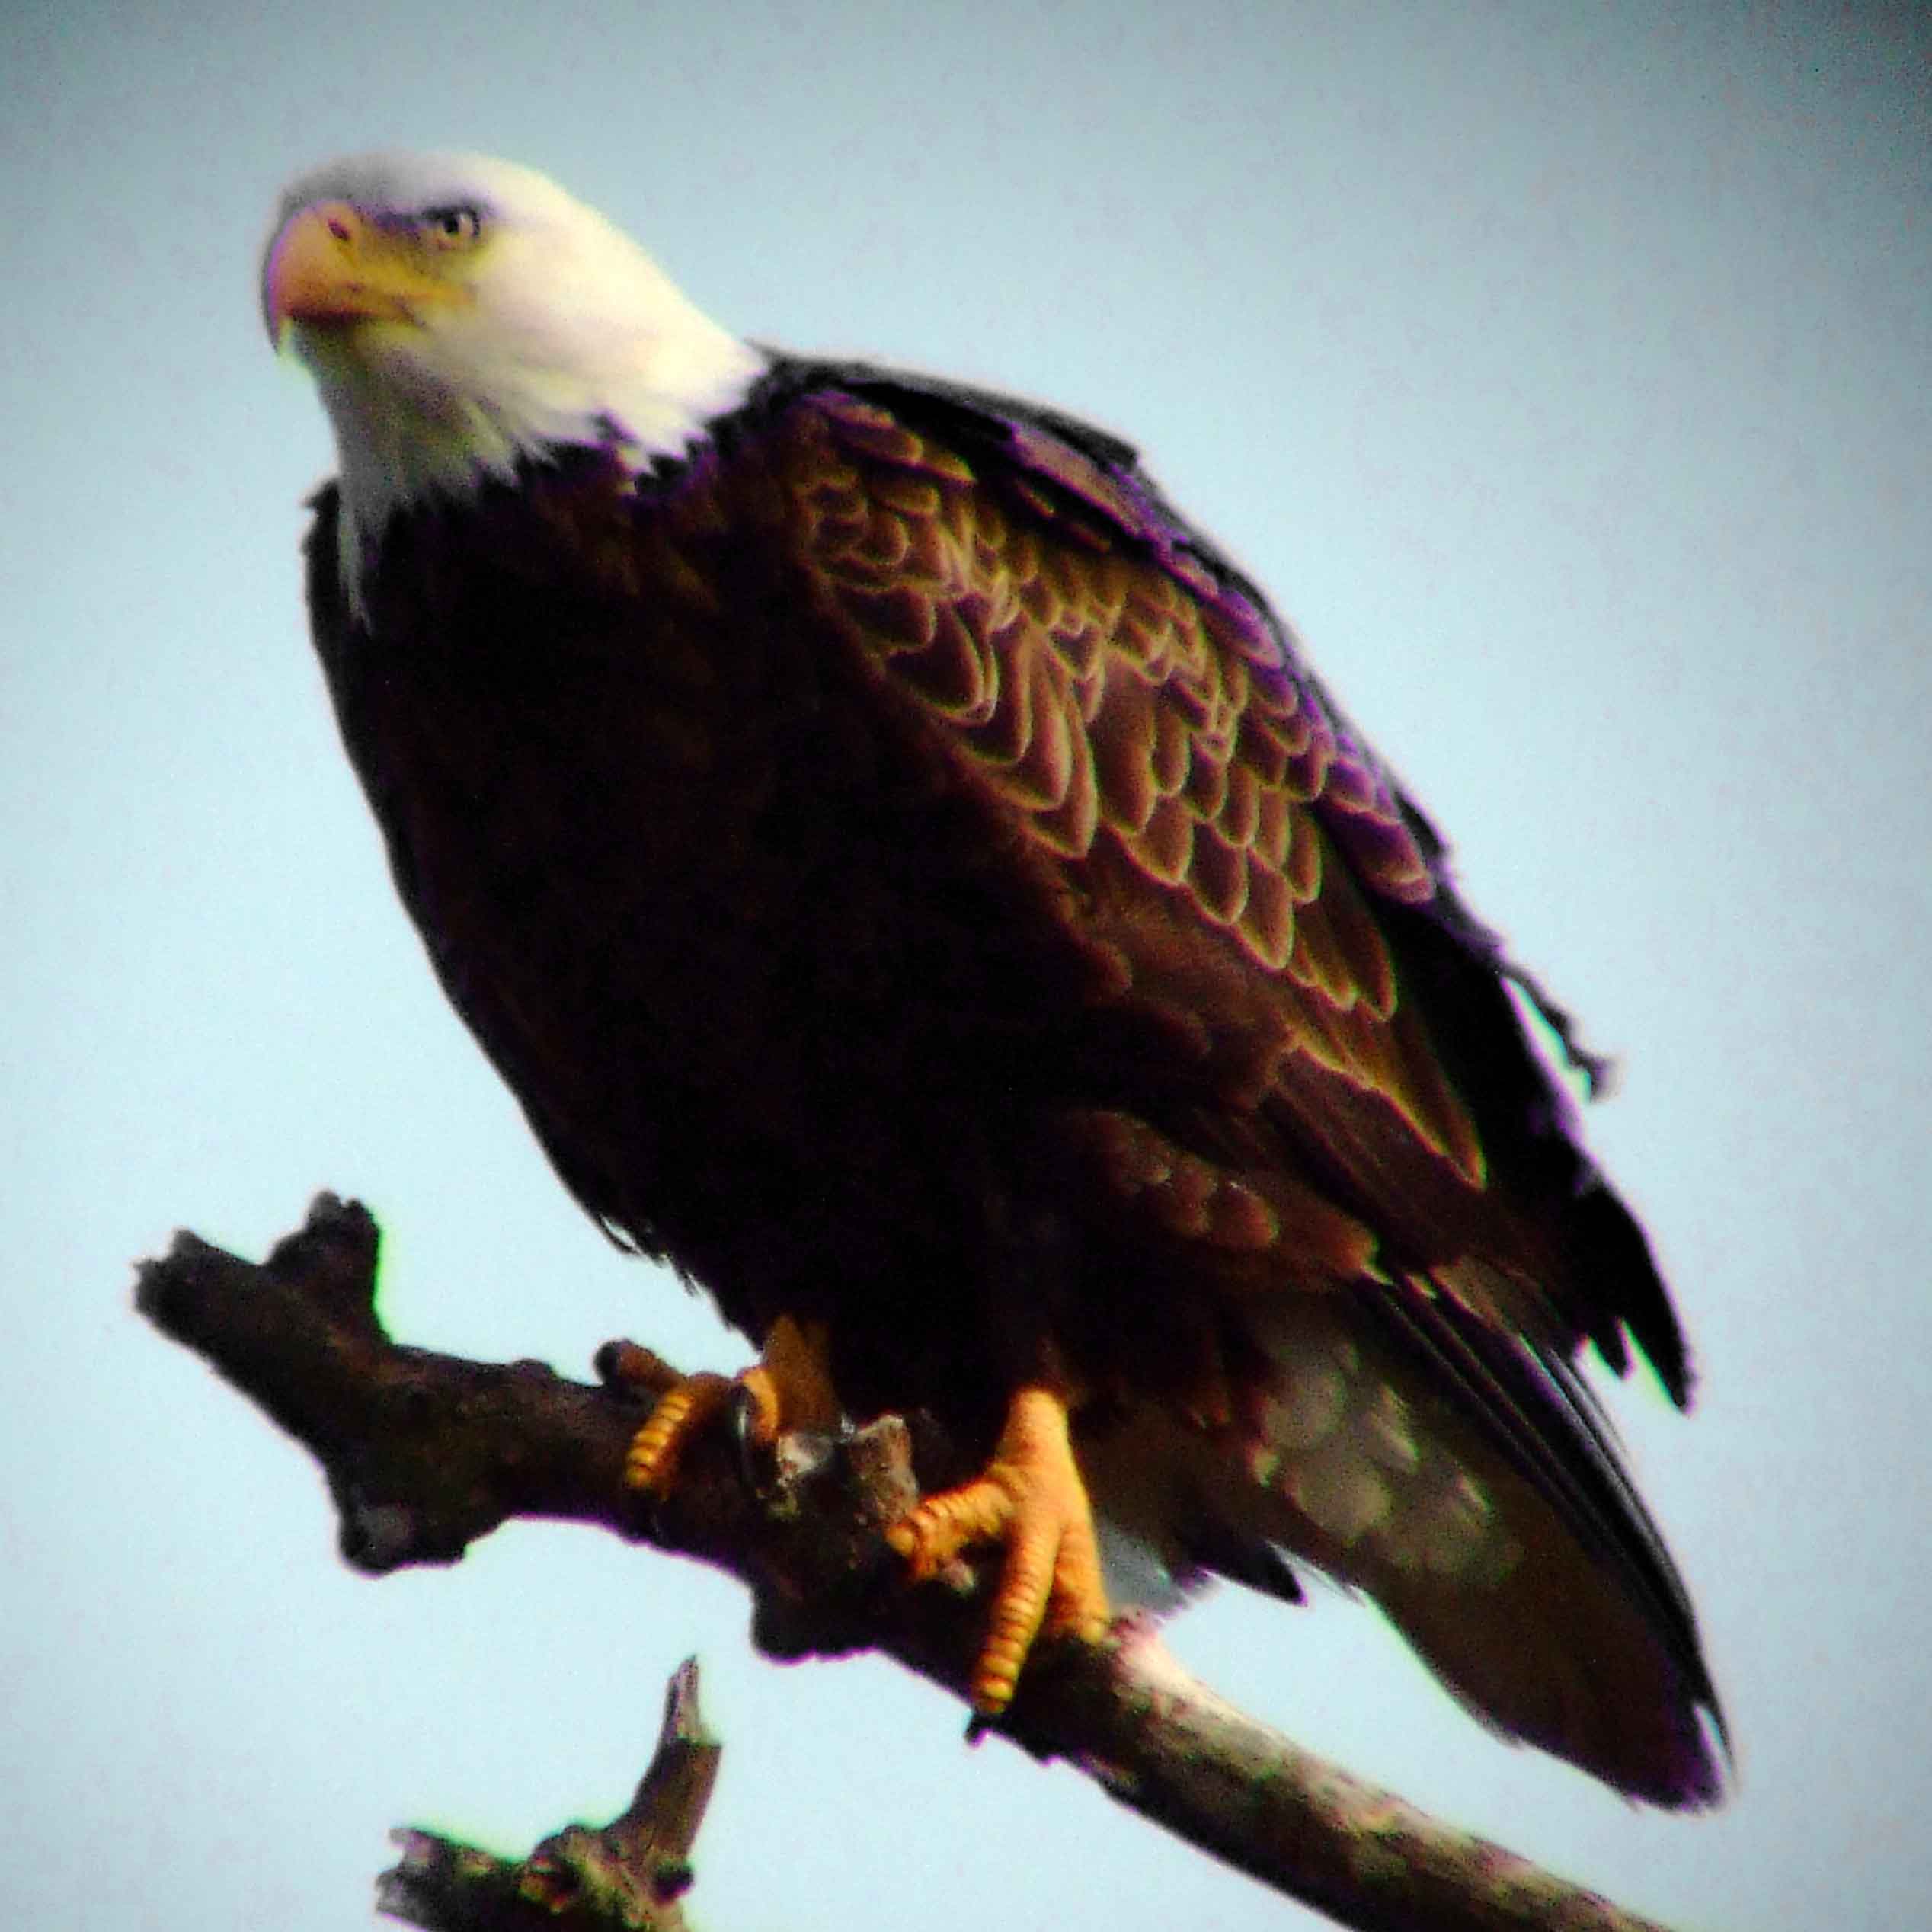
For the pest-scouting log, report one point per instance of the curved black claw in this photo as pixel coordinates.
(756, 1465)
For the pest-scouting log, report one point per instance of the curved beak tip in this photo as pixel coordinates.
(315, 270)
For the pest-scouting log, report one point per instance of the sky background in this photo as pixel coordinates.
(1563, 372)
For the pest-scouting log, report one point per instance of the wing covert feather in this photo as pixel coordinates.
(1141, 719)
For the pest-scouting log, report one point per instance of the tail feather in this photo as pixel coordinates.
(1469, 1489)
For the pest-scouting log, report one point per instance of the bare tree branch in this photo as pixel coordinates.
(629, 1876)
(425, 1453)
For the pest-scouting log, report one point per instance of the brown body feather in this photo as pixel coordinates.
(910, 883)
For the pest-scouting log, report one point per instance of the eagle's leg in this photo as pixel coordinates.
(1031, 1498)
(790, 1387)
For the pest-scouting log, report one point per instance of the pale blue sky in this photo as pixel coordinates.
(1564, 375)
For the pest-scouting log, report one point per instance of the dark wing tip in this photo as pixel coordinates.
(1625, 1291)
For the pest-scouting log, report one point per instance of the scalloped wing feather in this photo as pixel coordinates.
(1122, 706)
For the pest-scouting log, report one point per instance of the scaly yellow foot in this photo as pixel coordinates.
(1030, 1497)
(790, 1388)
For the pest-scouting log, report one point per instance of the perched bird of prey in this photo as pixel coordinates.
(915, 886)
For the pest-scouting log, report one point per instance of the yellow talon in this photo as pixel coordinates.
(791, 1388)
(1030, 1497)
(652, 1461)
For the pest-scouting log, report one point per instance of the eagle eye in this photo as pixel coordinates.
(454, 226)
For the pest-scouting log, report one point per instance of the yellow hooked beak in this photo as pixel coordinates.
(331, 268)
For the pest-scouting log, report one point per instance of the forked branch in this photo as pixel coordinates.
(631, 1874)
(426, 1452)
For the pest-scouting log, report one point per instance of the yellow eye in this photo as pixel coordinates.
(454, 227)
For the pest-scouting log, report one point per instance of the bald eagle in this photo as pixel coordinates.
(914, 885)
